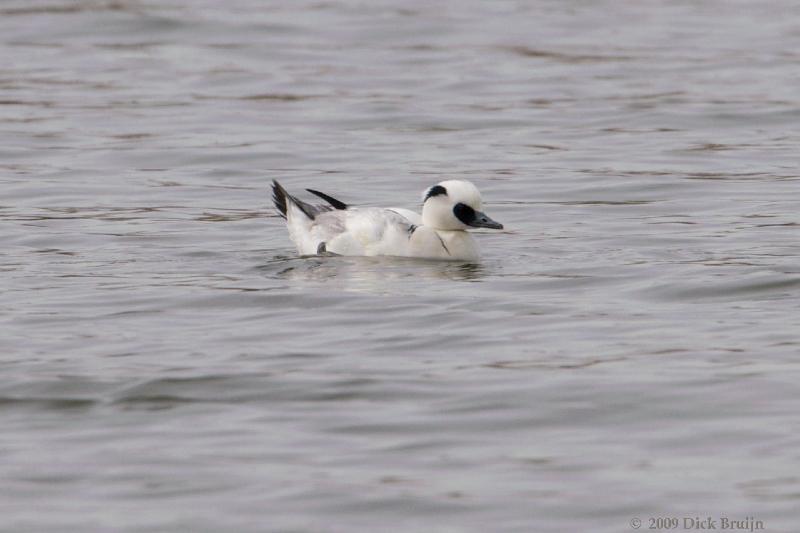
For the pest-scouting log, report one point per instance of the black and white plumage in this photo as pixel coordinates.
(449, 209)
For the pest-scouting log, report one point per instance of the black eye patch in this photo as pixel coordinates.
(436, 190)
(464, 213)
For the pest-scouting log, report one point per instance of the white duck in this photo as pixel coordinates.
(448, 210)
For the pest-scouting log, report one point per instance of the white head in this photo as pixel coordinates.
(454, 205)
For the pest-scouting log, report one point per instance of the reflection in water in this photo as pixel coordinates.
(370, 274)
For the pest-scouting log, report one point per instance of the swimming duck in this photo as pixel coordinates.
(448, 210)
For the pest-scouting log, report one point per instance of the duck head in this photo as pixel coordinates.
(455, 205)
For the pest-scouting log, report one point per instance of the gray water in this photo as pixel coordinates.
(627, 348)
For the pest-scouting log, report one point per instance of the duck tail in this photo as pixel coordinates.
(279, 196)
(283, 199)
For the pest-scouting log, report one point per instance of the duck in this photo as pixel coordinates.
(449, 209)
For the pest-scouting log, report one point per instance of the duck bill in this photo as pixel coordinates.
(482, 220)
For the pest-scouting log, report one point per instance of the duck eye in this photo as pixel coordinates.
(464, 213)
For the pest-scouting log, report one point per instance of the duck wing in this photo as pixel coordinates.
(411, 216)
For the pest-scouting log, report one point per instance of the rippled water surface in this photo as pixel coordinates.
(627, 347)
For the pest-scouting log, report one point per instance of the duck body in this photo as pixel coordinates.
(338, 229)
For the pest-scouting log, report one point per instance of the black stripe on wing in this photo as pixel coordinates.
(337, 204)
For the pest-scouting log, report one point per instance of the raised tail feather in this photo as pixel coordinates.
(281, 198)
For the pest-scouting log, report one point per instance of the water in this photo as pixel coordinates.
(626, 349)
